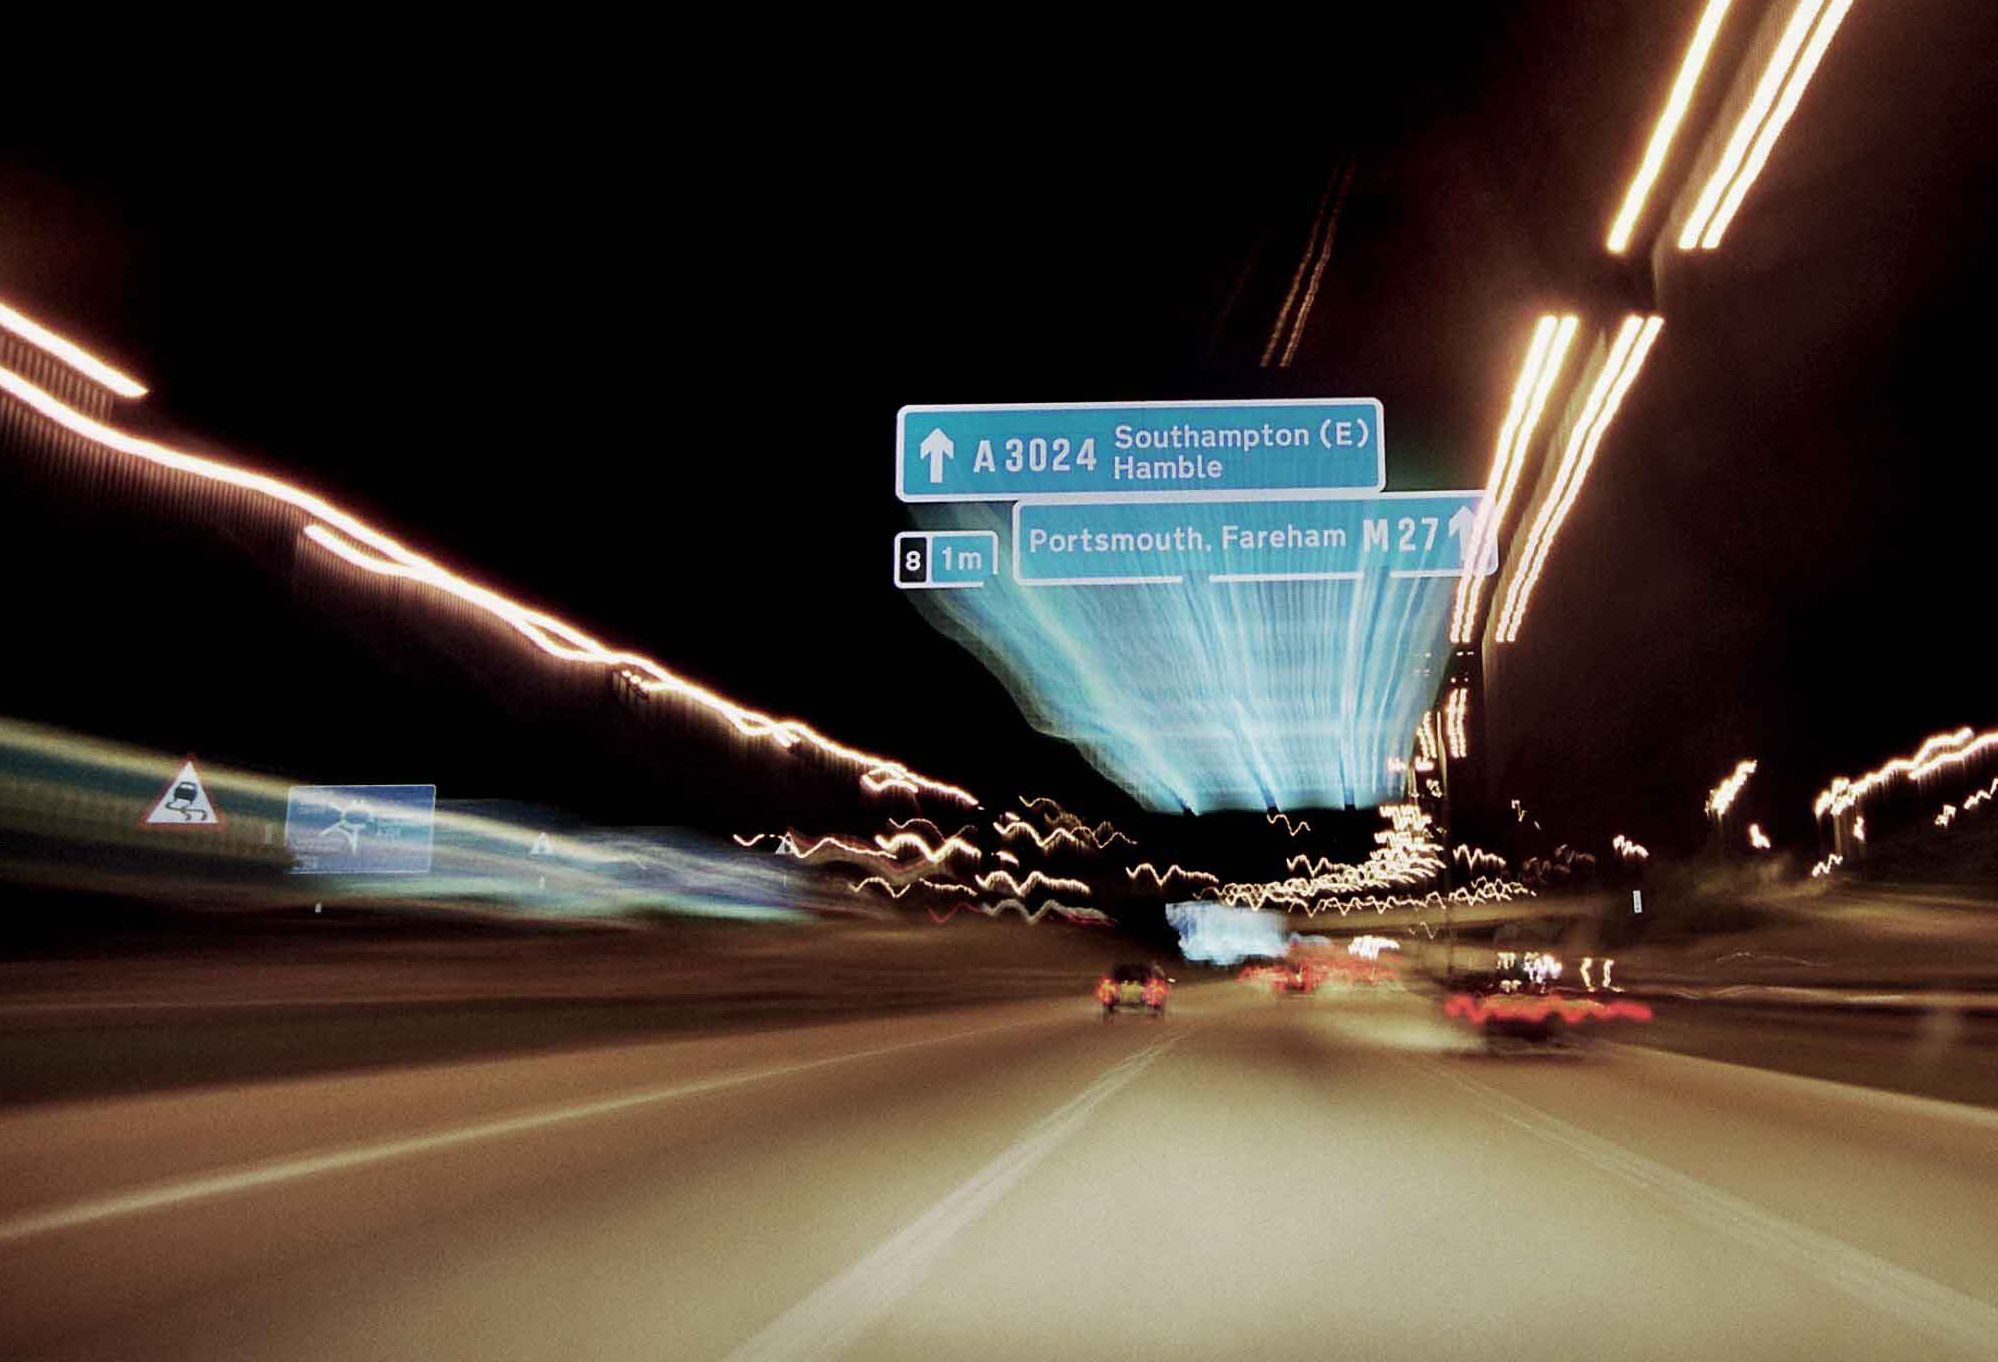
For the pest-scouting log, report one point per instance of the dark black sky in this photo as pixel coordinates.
(601, 331)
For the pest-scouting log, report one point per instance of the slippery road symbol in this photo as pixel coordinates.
(184, 803)
(355, 819)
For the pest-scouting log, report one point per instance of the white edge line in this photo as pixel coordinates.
(204, 1187)
(1886, 1287)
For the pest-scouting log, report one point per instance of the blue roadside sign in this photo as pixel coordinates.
(945, 559)
(360, 829)
(1140, 451)
(1123, 543)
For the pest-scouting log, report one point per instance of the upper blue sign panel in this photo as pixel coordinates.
(1141, 451)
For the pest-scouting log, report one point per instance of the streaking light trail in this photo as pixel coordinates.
(1626, 356)
(1722, 796)
(344, 535)
(1936, 752)
(1574, 1011)
(75, 356)
(1551, 338)
(1743, 159)
(1667, 127)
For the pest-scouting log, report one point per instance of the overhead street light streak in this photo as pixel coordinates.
(1453, 711)
(1551, 338)
(1722, 796)
(1667, 127)
(1936, 751)
(548, 633)
(1736, 152)
(1793, 91)
(75, 356)
(1634, 340)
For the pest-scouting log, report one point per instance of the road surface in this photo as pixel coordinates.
(1248, 1177)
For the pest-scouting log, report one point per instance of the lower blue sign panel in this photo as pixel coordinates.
(360, 829)
(1124, 543)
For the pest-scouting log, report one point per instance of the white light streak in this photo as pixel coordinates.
(75, 356)
(1722, 796)
(1667, 127)
(1453, 722)
(1793, 91)
(1739, 141)
(1936, 751)
(1627, 354)
(548, 633)
(1551, 338)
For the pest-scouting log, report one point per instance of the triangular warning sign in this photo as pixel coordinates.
(184, 803)
(542, 846)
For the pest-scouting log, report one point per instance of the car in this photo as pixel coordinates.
(1134, 987)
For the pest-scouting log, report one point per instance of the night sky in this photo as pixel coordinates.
(596, 342)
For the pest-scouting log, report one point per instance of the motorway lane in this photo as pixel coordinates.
(1292, 1178)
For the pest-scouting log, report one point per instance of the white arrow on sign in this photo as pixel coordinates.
(1460, 525)
(936, 448)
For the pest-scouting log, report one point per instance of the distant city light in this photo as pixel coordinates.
(1758, 839)
(1629, 850)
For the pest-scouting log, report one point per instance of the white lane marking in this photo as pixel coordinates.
(1923, 1302)
(1884, 1100)
(833, 1318)
(201, 1188)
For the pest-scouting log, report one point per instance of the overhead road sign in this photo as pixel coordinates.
(184, 803)
(360, 829)
(1140, 451)
(1121, 543)
(945, 559)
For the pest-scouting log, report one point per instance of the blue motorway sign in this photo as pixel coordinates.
(1121, 543)
(1140, 451)
(360, 829)
(942, 559)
